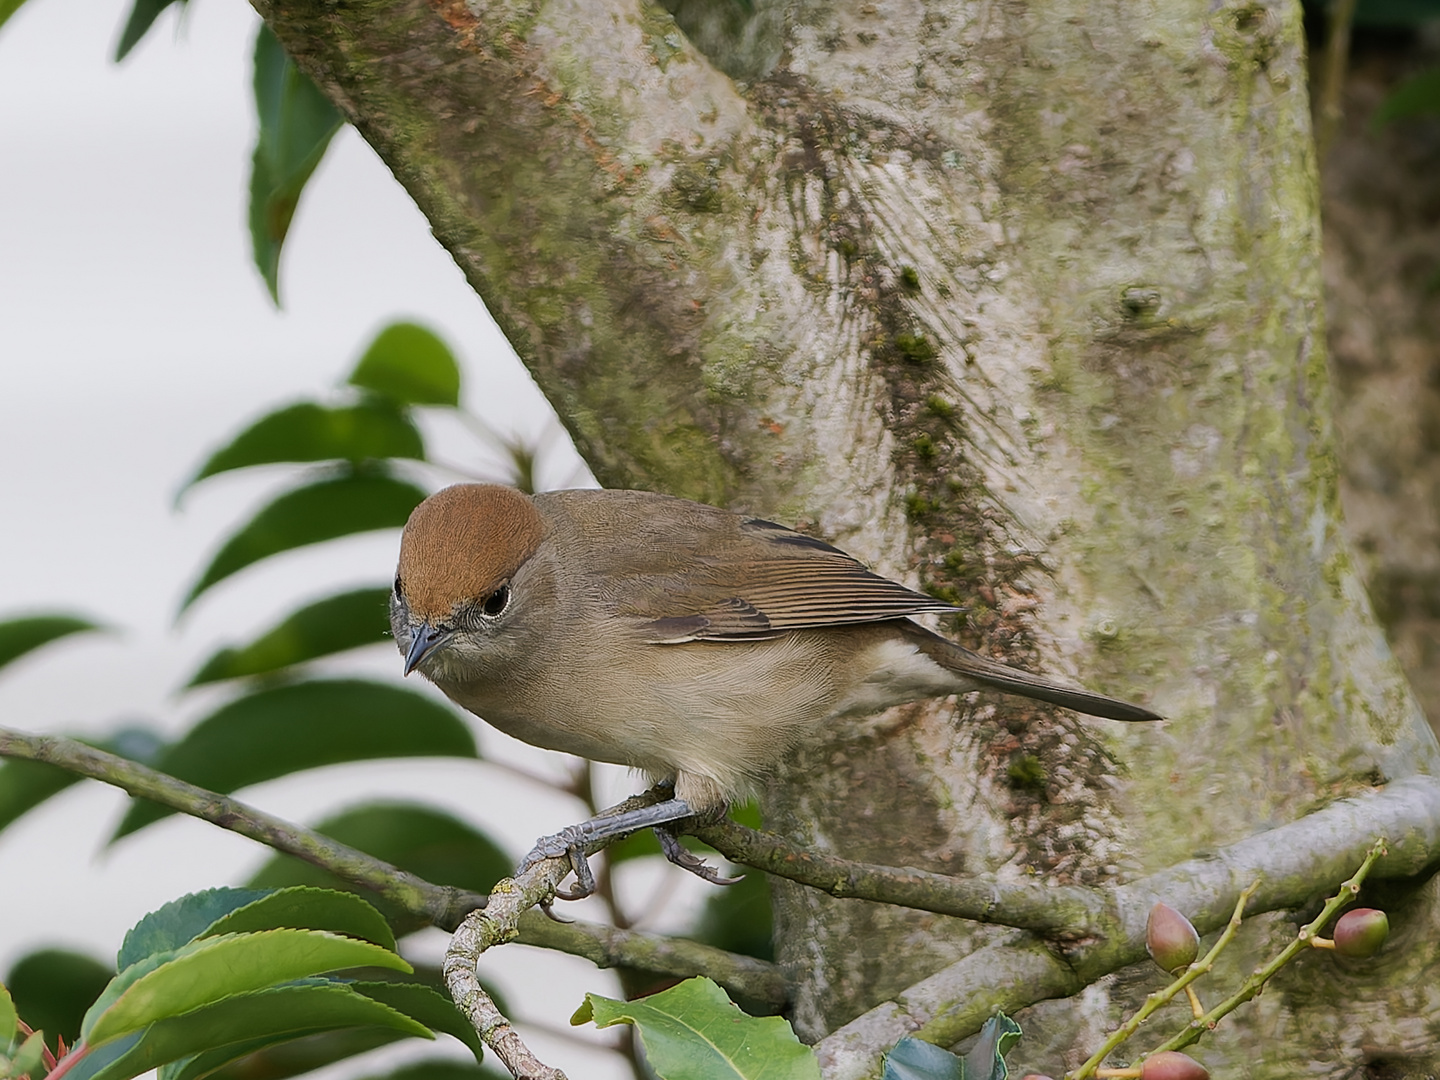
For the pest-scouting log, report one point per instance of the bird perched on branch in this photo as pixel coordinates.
(694, 644)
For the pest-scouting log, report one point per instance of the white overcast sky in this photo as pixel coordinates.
(134, 337)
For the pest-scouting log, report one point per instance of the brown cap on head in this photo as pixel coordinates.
(463, 543)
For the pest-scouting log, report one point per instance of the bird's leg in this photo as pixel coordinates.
(573, 841)
(676, 853)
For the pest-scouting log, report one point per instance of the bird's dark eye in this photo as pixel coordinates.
(398, 588)
(495, 603)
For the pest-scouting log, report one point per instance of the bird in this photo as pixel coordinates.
(697, 645)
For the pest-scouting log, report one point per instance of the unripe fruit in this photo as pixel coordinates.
(1169, 1065)
(1361, 932)
(1170, 939)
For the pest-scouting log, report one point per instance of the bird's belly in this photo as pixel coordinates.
(725, 710)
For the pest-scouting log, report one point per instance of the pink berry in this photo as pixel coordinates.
(1169, 1065)
(1361, 932)
(1170, 939)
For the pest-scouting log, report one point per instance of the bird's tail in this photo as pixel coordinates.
(1011, 680)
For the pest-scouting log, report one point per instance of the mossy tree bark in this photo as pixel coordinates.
(1021, 304)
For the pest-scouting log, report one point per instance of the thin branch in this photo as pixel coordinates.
(497, 924)
(1059, 912)
(444, 906)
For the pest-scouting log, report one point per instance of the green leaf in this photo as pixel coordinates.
(693, 1032)
(310, 515)
(279, 1056)
(288, 729)
(306, 908)
(310, 432)
(31, 1053)
(180, 922)
(24, 785)
(986, 1059)
(1417, 96)
(142, 17)
(915, 1059)
(20, 636)
(273, 1060)
(436, 1011)
(326, 627)
(297, 123)
(409, 365)
(8, 8)
(8, 1018)
(54, 987)
(242, 1020)
(208, 971)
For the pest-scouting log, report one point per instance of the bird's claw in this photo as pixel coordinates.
(676, 853)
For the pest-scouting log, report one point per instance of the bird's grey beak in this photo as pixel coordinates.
(426, 640)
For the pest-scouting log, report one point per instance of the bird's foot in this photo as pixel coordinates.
(574, 841)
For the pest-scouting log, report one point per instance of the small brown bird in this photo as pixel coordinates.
(692, 643)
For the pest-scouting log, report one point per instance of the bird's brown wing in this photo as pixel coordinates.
(774, 580)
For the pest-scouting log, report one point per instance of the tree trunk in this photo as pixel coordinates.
(1019, 304)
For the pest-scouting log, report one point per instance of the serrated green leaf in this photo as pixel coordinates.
(307, 432)
(306, 908)
(127, 977)
(52, 989)
(24, 785)
(287, 729)
(409, 365)
(8, 1018)
(1416, 96)
(212, 969)
(334, 624)
(269, 1015)
(142, 16)
(332, 508)
(180, 922)
(692, 1031)
(23, 635)
(277, 1060)
(297, 123)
